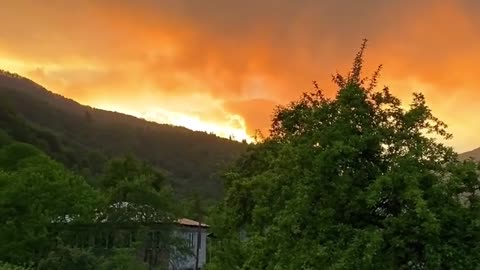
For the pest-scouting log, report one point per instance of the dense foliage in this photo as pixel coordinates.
(65, 167)
(7, 266)
(350, 182)
(83, 259)
(122, 260)
(35, 191)
(129, 180)
(42, 202)
(84, 139)
(69, 258)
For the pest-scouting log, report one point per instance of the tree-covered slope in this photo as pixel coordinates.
(83, 138)
(475, 154)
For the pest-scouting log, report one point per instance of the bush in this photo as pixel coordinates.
(123, 260)
(69, 258)
(7, 266)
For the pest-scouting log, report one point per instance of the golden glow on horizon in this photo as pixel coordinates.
(222, 67)
(223, 130)
(12, 65)
(234, 127)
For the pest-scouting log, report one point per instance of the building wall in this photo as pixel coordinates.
(102, 237)
(187, 262)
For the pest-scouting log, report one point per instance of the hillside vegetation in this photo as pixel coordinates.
(45, 207)
(84, 138)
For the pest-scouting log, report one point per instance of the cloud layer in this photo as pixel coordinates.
(223, 65)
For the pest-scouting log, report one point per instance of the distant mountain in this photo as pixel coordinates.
(84, 138)
(475, 154)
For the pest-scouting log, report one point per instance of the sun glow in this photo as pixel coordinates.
(12, 65)
(234, 127)
(177, 111)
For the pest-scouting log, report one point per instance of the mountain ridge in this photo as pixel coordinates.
(474, 153)
(193, 158)
(8, 77)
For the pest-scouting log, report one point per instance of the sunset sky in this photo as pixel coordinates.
(221, 66)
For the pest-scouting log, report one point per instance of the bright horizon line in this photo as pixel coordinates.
(189, 122)
(178, 119)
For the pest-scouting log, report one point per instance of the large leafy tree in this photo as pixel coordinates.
(137, 192)
(35, 193)
(355, 181)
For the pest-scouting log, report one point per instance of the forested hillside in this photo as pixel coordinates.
(45, 208)
(84, 138)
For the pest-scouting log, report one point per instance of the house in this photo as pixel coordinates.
(159, 243)
(196, 236)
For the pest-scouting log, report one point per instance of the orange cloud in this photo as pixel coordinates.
(222, 66)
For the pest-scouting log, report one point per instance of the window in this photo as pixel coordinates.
(191, 240)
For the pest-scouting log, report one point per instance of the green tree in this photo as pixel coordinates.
(7, 266)
(12, 155)
(4, 138)
(122, 260)
(350, 182)
(139, 195)
(132, 185)
(69, 258)
(35, 193)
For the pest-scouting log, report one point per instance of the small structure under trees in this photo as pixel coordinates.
(159, 244)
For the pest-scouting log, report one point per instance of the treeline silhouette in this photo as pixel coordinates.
(84, 138)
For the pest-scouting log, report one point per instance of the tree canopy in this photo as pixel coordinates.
(42, 202)
(355, 181)
(6, 266)
(35, 192)
(131, 186)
